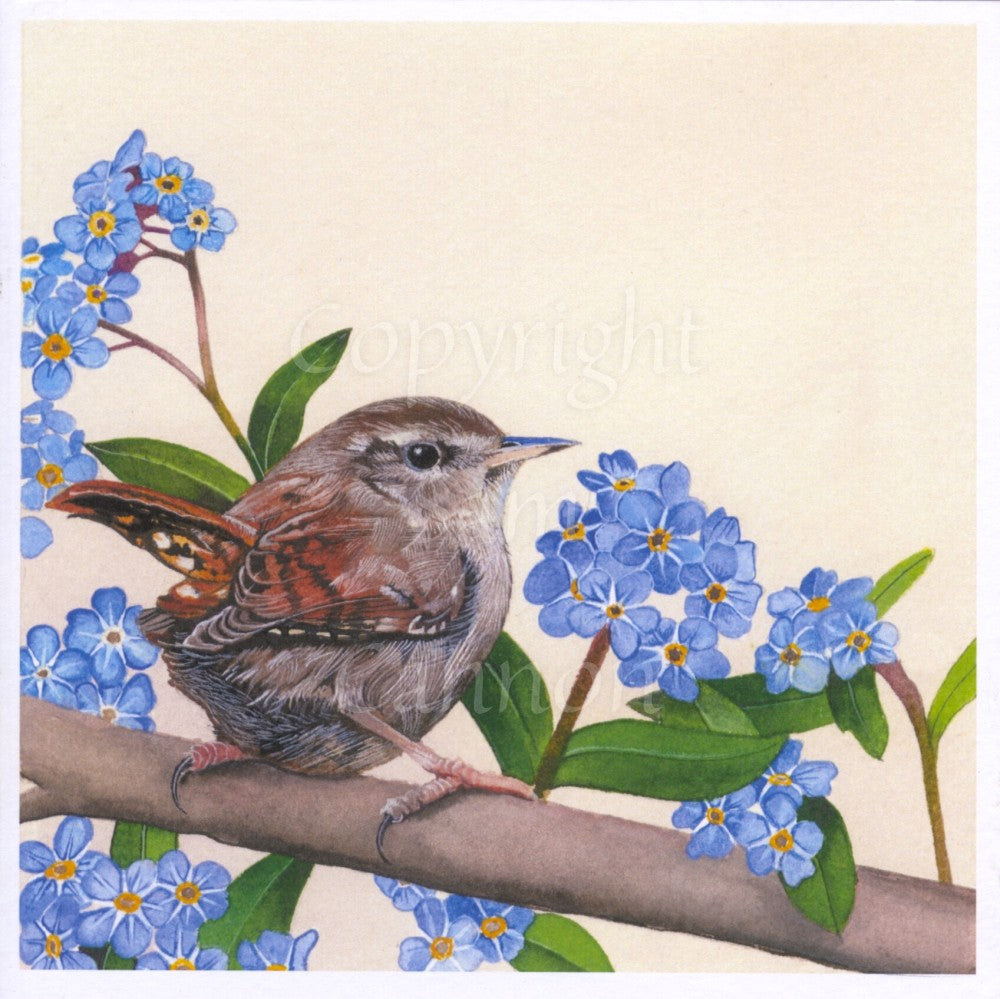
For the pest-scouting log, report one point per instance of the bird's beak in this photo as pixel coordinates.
(523, 448)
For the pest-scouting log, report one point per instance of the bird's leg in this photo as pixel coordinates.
(200, 757)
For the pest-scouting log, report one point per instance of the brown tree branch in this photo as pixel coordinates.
(537, 854)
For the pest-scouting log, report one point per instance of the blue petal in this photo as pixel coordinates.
(91, 353)
(587, 620)
(547, 581)
(414, 954)
(675, 484)
(431, 917)
(624, 638)
(43, 641)
(710, 664)
(818, 583)
(811, 674)
(554, 619)
(646, 619)
(711, 841)
(679, 684)
(72, 837)
(641, 669)
(51, 379)
(131, 937)
(795, 869)
(760, 860)
(815, 777)
(688, 815)
(634, 587)
(641, 510)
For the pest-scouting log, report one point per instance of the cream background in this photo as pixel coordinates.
(803, 195)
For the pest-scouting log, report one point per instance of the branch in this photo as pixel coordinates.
(538, 854)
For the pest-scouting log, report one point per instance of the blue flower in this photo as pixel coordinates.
(122, 912)
(775, 841)
(404, 895)
(661, 523)
(277, 951)
(35, 289)
(714, 822)
(177, 950)
(36, 536)
(60, 867)
(818, 593)
(788, 775)
(795, 656)
(110, 633)
(127, 705)
(727, 596)
(47, 259)
(203, 226)
(108, 181)
(856, 640)
(50, 942)
(69, 336)
(449, 945)
(51, 465)
(501, 927)
(189, 895)
(48, 673)
(676, 657)
(101, 230)
(612, 596)
(575, 540)
(40, 418)
(170, 184)
(619, 474)
(102, 290)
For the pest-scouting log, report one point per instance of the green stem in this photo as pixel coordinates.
(591, 666)
(906, 690)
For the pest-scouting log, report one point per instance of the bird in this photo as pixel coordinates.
(341, 606)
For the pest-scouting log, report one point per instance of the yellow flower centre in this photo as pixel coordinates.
(56, 347)
(182, 964)
(277, 967)
(49, 475)
(109, 714)
(101, 224)
(493, 927)
(859, 640)
(791, 655)
(614, 611)
(187, 892)
(169, 183)
(198, 220)
(577, 532)
(61, 870)
(53, 945)
(26, 285)
(659, 540)
(818, 604)
(31, 260)
(96, 294)
(716, 816)
(782, 841)
(128, 902)
(574, 589)
(675, 653)
(716, 593)
(624, 485)
(442, 948)
(780, 780)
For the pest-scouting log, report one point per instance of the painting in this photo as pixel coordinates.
(497, 497)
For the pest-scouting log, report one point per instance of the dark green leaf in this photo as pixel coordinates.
(555, 943)
(262, 898)
(891, 586)
(639, 757)
(857, 709)
(827, 897)
(721, 715)
(133, 841)
(509, 702)
(957, 690)
(172, 469)
(112, 962)
(278, 413)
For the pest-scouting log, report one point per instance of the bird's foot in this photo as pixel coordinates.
(200, 757)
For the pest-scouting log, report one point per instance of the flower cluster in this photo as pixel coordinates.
(762, 818)
(114, 203)
(97, 665)
(819, 624)
(459, 932)
(80, 898)
(647, 535)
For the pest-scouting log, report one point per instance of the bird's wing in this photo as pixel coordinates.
(351, 576)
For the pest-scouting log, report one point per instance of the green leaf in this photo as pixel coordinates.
(711, 712)
(893, 584)
(262, 898)
(133, 841)
(827, 897)
(770, 714)
(278, 413)
(509, 702)
(638, 757)
(555, 943)
(112, 961)
(172, 469)
(857, 709)
(957, 690)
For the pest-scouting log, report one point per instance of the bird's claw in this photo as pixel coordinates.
(387, 820)
(180, 772)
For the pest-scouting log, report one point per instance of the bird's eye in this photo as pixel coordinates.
(421, 456)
